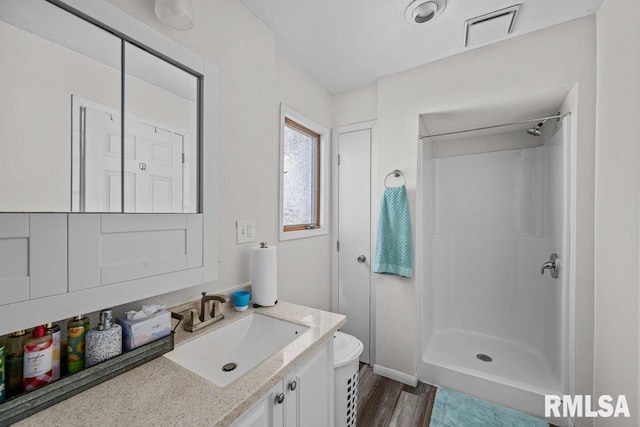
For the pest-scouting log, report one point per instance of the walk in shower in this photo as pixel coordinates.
(493, 208)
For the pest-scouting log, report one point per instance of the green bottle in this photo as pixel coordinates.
(77, 328)
(1, 373)
(14, 352)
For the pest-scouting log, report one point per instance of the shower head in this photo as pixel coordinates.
(536, 130)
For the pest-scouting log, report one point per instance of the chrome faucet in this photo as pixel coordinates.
(196, 321)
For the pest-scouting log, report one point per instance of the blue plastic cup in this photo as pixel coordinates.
(241, 300)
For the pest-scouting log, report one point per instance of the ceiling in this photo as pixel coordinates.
(345, 44)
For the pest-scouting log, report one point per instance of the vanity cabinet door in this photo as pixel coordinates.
(33, 256)
(267, 412)
(309, 391)
(109, 249)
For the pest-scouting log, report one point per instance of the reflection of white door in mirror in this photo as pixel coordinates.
(155, 171)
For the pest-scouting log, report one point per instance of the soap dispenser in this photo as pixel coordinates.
(104, 341)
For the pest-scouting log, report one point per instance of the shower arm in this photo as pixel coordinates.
(542, 119)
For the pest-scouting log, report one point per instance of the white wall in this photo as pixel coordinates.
(617, 207)
(354, 106)
(304, 273)
(253, 82)
(497, 74)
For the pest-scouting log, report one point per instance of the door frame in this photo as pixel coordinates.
(371, 126)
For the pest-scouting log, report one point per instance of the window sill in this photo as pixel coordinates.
(302, 234)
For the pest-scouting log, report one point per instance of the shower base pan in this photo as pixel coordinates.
(492, 369)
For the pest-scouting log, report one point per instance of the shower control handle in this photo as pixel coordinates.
(553, 265)
(362, 258)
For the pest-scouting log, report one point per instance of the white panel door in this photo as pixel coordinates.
(354, 235)
(100, 164)
(155, 165)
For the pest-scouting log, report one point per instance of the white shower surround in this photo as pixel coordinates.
(488, 221)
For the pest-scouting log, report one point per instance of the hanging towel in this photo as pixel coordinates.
(394, 252)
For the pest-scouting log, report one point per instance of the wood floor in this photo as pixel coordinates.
(385, 402)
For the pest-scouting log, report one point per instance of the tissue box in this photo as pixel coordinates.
(142, 331)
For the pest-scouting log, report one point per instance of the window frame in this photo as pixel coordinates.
(305, 125)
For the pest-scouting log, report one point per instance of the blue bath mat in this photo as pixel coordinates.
(453, 409)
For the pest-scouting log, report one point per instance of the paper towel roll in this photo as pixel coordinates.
(264, 275)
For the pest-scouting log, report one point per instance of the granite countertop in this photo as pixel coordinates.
(162, 392)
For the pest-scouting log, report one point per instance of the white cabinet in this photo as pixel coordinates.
(53, 266)
(266, 412)
(309, 391)
(33, 256)
(108, 249)
(304, 398)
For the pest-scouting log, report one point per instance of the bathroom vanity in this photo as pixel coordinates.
(162, 392)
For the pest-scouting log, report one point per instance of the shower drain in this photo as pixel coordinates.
(229, 367)
(484, 357)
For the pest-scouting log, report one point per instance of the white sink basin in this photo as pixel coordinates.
(246, 342)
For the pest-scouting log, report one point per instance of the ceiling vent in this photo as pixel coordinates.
(488, 28)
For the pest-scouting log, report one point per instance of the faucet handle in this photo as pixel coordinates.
(192, 318)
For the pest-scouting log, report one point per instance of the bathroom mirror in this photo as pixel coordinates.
(68, 89)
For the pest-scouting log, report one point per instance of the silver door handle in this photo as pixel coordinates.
(553, 265)
(362, 258)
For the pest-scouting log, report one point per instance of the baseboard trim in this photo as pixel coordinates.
(396, 375)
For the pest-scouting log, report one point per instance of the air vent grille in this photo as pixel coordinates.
(490, 27)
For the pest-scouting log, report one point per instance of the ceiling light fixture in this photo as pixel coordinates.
(421, 11)
(178, 14)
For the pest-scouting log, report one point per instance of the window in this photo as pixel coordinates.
(301, 177)
(302, 201)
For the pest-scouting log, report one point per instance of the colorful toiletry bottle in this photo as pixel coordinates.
(2, 392)
(77, 328)
(13, 355)
(38, 359)
(54, 330)
(105, 341)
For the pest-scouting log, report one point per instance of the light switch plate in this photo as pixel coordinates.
(245, 230)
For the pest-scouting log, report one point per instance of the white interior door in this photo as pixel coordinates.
(155, 178)
(100, 170)
(354, 235)
(153, 160)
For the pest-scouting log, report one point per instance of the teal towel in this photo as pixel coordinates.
(394, 252)
(453, 409)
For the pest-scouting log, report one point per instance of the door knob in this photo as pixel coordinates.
(362, 258)
(293, 385)
(553, 265)
(280, 398)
